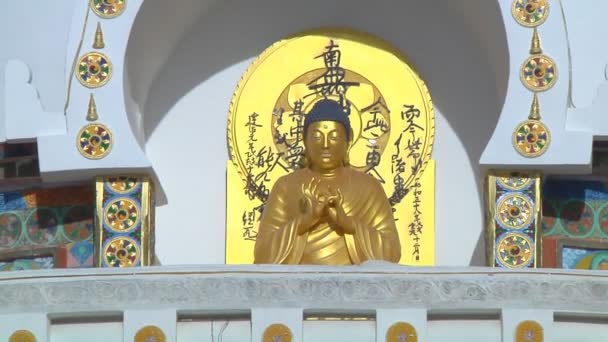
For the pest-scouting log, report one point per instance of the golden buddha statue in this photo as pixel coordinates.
(327, 213)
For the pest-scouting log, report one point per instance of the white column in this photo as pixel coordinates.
(385, 318)
(261, 318)
(512, 317)
(166, 320)
(37, 324)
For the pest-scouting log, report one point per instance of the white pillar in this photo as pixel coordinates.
(512, 317)
(36, 323)
(166, 320)
(385, 318)
(261, 318)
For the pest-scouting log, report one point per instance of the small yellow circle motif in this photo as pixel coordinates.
(22, 336)
(531, 138)
(94, 70)
(121, 251)
(277, 333)
(94, 141)
(538, 73)
(108, 9)
(529, 331)
(401, 332)
(530, 13)
(150, 333)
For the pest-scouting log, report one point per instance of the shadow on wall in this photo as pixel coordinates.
(436, 40)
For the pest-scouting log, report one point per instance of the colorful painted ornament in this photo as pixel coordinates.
(514, 182)
(529, 331)
(530, 13)
(401, 332)
(277, 333)
(531, 138)
(122, 215)
(122, 184)
(108, 9)
(514, 250)
(538, 73)
(22, 336)
(514, 211)
(150, 333)
(121, 251)
(94, 70)
(94, 141)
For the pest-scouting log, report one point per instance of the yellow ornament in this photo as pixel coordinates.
(22, 336)
(390, 111)
(150, 333)
(401, 332)
(277, 333)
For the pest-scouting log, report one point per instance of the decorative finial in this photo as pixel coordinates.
(535, 48)
(534, 109)
(99, 43)
(92, 111)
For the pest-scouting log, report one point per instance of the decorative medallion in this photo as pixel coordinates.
(531, 138)
(122, 184)
(94, 141)
(401, 332)
(277, 333)
(122, 215)
(530, 13)
(94, 70)
(602, 218)
(514, 250)
(108, 8)
(121, 251)
(514, 211)
(514, 182)
(150, 333)
(22, 336)
(538, 73)
(10, 229)
(529, 331)
(41, 226)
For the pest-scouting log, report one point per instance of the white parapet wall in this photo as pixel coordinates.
(359, 303)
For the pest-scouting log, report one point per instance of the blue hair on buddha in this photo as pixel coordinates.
(328, 110)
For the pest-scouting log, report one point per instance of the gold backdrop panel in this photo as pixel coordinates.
(392, 120)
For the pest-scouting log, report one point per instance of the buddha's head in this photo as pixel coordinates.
(327, 135)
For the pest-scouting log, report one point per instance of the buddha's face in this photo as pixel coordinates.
(326, 145)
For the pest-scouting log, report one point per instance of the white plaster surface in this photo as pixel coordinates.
(35, 323)
(190, 98)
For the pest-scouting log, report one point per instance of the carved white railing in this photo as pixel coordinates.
(384, 294)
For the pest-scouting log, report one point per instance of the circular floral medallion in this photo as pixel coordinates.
(514, 211)
(514, 181)
(121, 252)
(78, 223)
(10, 229)
(538, 73)
(401, 332)
(22, 336)
(531, 138)
(122, 184)
(41, 226)
(108, 8)
(529, 331)
(94, 70)
(150, 333)
(122, 215)
(602, 217)
(277, 333)
(94, 141)
(514, 250)
(577, 218)
(530, 13)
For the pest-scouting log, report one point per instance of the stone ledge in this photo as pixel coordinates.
(217, 288)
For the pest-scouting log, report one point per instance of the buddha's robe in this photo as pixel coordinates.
(375, 236)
